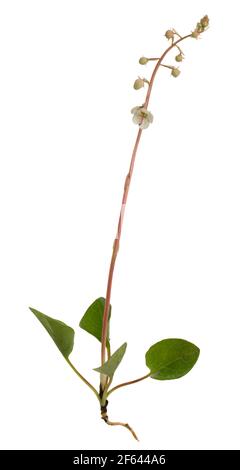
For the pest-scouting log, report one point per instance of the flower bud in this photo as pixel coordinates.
(175, 72)
(169, 34)
(139, 83)
(204, 21)
(179, 57)
(195, 34)
(199, 28)
(143, 60)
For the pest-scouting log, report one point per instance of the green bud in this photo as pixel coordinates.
(175, 72)
(169, 34)
(199, 28)
(195, 34)
(179, 57)
(143, 60)
(139, 83)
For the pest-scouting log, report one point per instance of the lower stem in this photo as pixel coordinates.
(115, 252)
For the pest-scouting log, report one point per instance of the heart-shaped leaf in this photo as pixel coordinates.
(62, 334)
(171, 358)
(93, 318)
(113, 362)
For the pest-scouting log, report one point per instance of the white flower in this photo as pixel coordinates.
(142, 116)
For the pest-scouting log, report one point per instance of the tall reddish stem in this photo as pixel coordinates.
(116, 246)
(122, 210)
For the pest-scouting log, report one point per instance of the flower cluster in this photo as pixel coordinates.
(141, 115)
(201, 26)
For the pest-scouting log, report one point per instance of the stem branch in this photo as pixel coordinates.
(128, 383)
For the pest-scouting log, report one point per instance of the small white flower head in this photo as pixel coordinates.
(142, 116)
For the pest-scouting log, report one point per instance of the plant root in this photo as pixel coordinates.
(104, 416)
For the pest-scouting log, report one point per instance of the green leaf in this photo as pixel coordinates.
(93, 318)
(111, 365)
(62, 334)
(171, 358)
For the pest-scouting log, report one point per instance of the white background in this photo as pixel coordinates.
(67, 69)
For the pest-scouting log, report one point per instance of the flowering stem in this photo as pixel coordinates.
(121, 216)
(158, 65)
(115, 252)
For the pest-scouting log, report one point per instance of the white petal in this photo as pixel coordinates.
(136, 119)
(135, 109)
(150, 117)
(144, 124)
